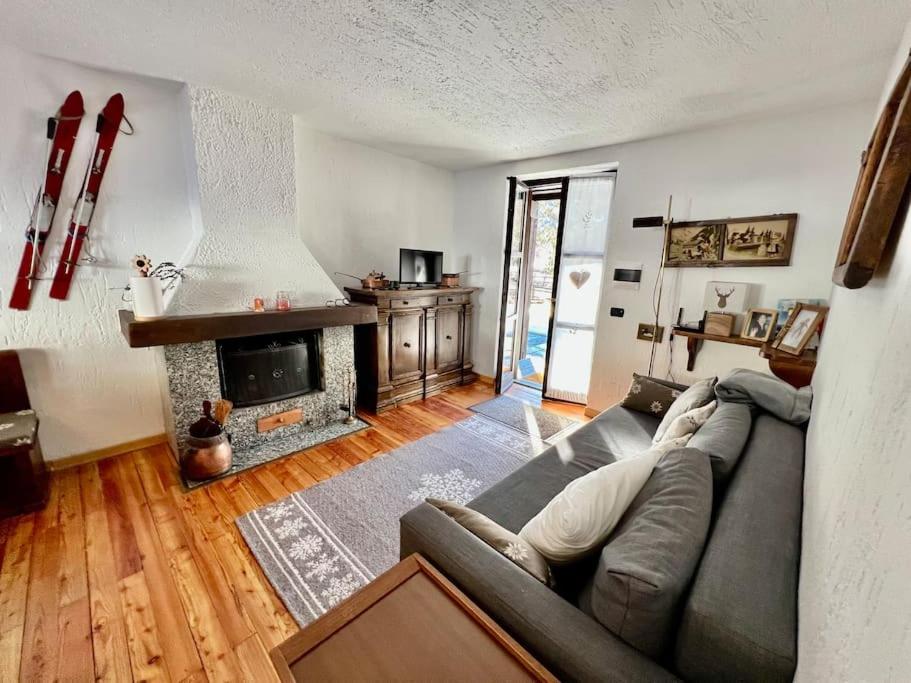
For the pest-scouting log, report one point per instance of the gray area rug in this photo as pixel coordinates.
(526, 418)
(319, 545)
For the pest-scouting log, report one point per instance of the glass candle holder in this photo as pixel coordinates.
(282, 301)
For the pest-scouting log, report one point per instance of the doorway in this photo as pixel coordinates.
(556, 233)
(542, 229)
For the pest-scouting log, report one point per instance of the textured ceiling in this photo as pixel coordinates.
(461, 83)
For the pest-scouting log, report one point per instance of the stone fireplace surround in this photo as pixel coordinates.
(190, 374)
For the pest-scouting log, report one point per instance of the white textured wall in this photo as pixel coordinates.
(855, 599)
(357, 206)
(90, 389)
(244, 158)
(801, 163)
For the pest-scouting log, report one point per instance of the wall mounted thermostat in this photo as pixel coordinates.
(627, 275)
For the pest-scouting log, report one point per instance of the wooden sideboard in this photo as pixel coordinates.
(419, 346)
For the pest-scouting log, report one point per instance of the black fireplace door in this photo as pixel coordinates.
(257, 370)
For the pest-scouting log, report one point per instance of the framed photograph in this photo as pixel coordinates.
(726, 297)
(786, 307)
(759, 324)
(759, 240)
(693, 244)
(799, 329)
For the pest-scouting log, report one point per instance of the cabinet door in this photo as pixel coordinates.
(449, 338)
(407, 340)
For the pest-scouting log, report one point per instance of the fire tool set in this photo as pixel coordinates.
(62, 129)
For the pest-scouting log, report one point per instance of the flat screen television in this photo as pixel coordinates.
(420, 267)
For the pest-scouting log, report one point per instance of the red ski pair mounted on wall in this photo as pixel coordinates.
(62, 129)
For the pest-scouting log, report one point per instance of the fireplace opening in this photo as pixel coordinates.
(270, 367)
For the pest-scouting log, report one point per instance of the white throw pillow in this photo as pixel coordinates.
(580, 518)
(687, 424)
(695, 396)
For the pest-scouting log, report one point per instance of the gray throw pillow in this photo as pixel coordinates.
(695, 396)
(508, 544)
(650, 395)
(723, 438)
(649, 560)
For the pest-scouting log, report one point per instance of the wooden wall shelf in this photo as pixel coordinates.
(694, 341)
(795, 370)
(185, 329)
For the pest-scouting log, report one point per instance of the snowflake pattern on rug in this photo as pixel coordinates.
(279, 511)
(326, 567)
(339, 588)
(290, 527)
(306, 547)
(453, 486)
(322, 567)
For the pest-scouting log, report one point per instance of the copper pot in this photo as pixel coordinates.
(449, 280)
(374, 280)
(206, 457)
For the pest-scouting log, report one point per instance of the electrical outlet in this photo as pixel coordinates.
(616, 312)
(646, 332)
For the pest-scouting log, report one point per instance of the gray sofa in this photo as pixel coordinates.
(737, 622)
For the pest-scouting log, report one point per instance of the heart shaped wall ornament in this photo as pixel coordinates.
(579, 277)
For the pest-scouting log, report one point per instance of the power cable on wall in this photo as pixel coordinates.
(658, 291)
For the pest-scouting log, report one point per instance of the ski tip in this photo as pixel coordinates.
(73, 105)
(113, 110)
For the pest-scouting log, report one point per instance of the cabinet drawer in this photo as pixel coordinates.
(452, 299)
(412, 302)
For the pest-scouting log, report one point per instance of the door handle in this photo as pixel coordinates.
(407, 345)
(448, 336)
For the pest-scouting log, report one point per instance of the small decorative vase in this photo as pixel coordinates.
(148, 302)
(206, 457)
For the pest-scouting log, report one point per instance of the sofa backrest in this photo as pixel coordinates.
(740, 619)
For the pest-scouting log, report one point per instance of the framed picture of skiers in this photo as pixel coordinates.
(752, 241)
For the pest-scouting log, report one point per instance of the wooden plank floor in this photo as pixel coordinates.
(124, 576)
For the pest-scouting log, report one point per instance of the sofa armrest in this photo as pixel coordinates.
(569, 642)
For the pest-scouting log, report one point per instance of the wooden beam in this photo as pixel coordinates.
(185, 329)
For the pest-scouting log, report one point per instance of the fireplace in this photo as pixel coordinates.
(269, 368)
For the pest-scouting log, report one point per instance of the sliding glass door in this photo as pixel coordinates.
(577, 287)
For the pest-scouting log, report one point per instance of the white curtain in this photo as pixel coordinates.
(579, 288)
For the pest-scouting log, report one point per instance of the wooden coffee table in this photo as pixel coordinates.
(410, 623)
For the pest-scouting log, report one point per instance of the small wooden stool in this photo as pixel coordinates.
(23, 475)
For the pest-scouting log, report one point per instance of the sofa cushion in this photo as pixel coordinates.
(723, 438)
(697, 395)
(740, 619)
(686, 424)
(649, 560)
(650, 396)
(615, 433)
(578, 520)
(510, 545)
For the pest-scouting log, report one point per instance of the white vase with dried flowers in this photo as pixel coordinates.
(148, 303)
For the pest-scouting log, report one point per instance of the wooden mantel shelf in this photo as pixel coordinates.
(795, 370)
(186, 329)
